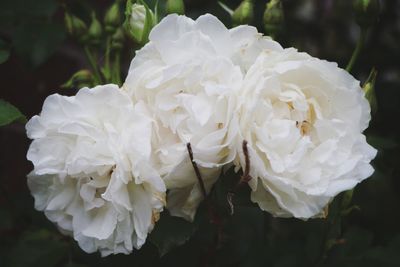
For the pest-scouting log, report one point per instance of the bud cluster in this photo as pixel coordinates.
(273, 17)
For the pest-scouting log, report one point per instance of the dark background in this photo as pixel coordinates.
(43, 57)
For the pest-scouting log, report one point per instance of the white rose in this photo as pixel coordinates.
(93, 174)
(188, 76)
(303, 120)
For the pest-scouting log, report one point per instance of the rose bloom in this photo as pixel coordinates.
(303, 120)
(93, 174)
(188, 76)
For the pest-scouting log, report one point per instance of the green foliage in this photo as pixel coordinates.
(95, 30)
(175, 6)
(9, 114)
(76, 27)
(171, 232)
(40, 248)
(80, 79)
(244, 13)
(273, 17)
(366, 11)
(139, 20)
(36, 41)
(369, 89)
(29, 25)
(112, 18)
(4, 51)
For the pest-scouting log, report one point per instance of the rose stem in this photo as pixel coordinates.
(196, 170)
(357, 50)
(93, 65)
(246, 175)
(245, 178)
(215, 219)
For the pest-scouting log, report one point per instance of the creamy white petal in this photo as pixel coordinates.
(187, 77)
(307, 144)
(94, 171)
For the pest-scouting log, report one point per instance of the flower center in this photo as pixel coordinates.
(305, 125)
(99, 192)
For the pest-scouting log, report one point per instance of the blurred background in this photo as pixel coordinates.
(39, 57)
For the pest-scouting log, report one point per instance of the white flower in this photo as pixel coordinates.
(303, 119)
(188, 76)
(93, 174)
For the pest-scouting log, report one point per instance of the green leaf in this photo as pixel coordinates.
(244, 232)
(382, 142)
(39, 248)
(350, 248)
(156, 12)
(28, 23)
(171, 232)
(9, 114)
(34, 42)
(13, 12)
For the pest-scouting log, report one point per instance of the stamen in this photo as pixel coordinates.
(304, 127)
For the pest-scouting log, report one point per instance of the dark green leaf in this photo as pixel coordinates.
(9, 113)
(34, 42)
(381, 142)
(38, 248)
(171, 232)
(14, 12)
(243, 232)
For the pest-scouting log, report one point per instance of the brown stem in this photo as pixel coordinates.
(196, 170)
(245, 178)
(246, 175)
(215, 219)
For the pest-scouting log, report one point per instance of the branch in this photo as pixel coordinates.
(196, 170)
(246, 174)
(245, 178)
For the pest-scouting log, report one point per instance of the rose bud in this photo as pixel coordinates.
(139, 20)
(366, 11)
(175, 6)
(112, 18)
(273, 17)
(75, 26)
(244, 13)
(95, 30)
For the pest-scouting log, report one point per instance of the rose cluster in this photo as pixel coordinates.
(108, 160)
